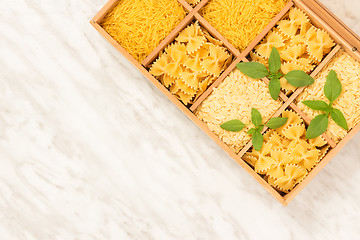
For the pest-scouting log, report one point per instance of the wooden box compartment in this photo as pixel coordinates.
(320, 16)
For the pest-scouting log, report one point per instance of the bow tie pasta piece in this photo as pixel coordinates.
(294, 132)
(282, 159)
(288, 28)
(158, 68)
(310, 159)
(293, 175)
(273, 39)
(167, 80)
(195, 58)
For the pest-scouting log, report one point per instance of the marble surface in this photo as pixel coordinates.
(90, 150)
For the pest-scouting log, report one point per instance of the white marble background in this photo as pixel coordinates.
(90, 150)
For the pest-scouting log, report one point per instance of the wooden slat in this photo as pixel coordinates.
(214, 85)
(104, 10)
(266, 30)
(174, 33)
(216, 34)
(200, 5)
(186, 5)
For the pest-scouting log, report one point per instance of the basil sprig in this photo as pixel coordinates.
(320, 123)
(256, 119)
(255, 70)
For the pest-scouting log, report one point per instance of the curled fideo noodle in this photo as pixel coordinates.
(240, 21)
(140, 25)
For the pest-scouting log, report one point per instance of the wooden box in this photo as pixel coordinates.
(320, 16)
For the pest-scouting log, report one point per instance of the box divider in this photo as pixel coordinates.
(266, 30)
(215, 33)
(200, 5)
(151, 57)
(308, 120)
(186, 5)
(320, 67)
(214, 85)
(104, 10)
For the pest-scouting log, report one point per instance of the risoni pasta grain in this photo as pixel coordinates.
(233, 99)
(348, 71)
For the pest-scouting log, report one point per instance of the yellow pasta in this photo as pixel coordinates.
(140, 25)
(240, 21)
(301, 45)
(233, 99)
(287, 157)
(191, 63)
(348, 72)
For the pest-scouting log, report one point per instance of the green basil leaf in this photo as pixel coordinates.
(275, 123)
(339, 118)
(317, 105)
(332, 88)
(317, 126)
(274, 88)
(254, 70)
(257, 141)
(251, 131)
(298, 78)
(274, 61)
(256, 118)
(233, 126)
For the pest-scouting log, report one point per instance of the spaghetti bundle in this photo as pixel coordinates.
(140, 25)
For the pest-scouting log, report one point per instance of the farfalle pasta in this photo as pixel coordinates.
(192, 63)
(301, 45)
(233, 99)
(348, 72)
(286, 156)
(140, 25)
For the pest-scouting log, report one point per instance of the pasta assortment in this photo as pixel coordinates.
(192, 63)
(195, 60)
(287, 157)
(301, 45)
(233, 99)
(348, 71)
(140, 25)
(240, 21)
